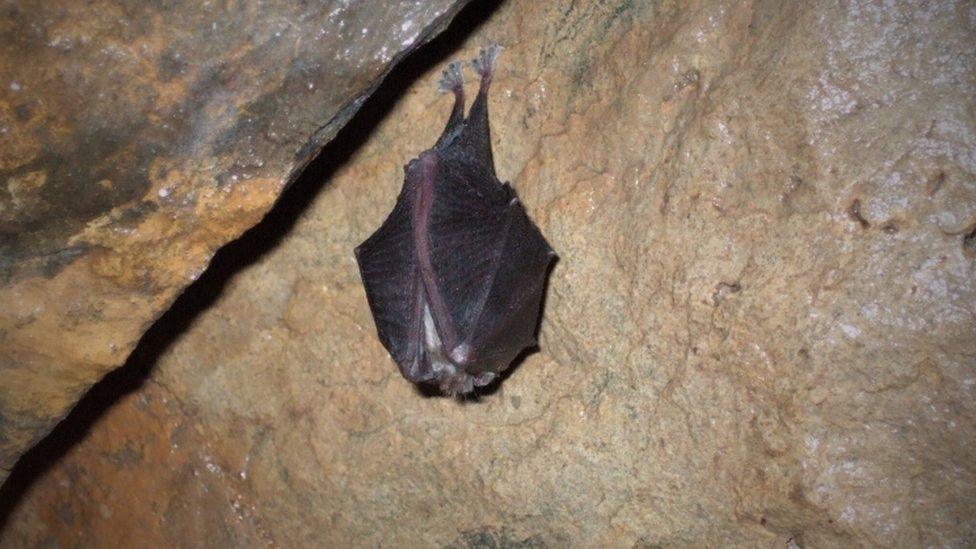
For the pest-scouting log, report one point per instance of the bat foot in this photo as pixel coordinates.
(452, 80)
(485, 62)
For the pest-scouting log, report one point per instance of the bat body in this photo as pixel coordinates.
(454, 277)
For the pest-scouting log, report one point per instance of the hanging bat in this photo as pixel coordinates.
(454, 277)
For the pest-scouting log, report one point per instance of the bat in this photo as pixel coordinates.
(454, 276)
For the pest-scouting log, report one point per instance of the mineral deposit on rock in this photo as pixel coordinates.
(760, 332)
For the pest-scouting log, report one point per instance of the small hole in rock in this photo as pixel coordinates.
(969, 241)
(935, 182)
(855, 212)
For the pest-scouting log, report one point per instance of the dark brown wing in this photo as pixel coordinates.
(466, 233)
(388, 266)
(490, 263)
(506, 322)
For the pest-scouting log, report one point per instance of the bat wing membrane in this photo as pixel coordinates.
(491, 263)
(508, 318)
(468, 226)
(388, 265)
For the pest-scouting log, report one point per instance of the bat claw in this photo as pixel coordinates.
(485, 61)
(452, 79)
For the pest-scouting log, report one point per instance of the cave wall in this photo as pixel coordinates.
(760, 331)
(136, 138)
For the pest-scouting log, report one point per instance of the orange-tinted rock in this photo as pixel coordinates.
(732, 352)
(135, 139)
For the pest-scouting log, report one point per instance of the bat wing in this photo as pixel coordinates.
(388, 265)
(490, 263)
(468, 224)
(508, 317)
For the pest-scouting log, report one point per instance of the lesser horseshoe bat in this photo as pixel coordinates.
(454, 277)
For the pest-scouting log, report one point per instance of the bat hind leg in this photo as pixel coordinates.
(452, 80)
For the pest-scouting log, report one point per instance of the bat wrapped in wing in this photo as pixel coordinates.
(454, 277)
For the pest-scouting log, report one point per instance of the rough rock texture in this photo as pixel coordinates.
(760, 332)
(135, 139)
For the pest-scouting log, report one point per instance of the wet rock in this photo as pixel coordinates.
(728, 356)
(135, 139)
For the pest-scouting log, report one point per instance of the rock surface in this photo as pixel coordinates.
(135, 139)
(760, 332)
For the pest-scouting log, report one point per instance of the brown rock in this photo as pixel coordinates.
(728, 356)
(135, 139)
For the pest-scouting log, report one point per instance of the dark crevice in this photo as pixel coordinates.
(855, 212)
(969, 241)
(234, 257)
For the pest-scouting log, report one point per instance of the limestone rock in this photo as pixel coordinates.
(135, 139)
(760, 331)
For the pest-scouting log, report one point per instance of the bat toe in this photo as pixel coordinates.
(451, 78)
(485, 61)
